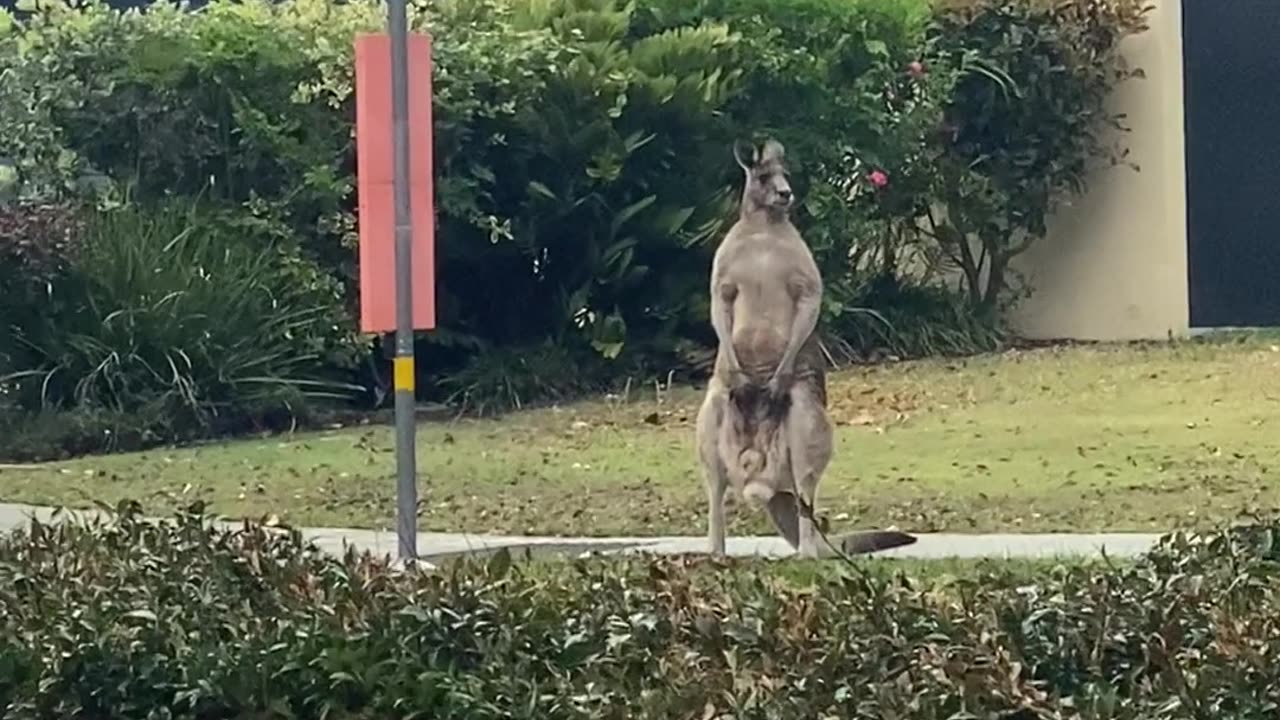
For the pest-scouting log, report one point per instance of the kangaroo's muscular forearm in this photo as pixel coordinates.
(722, 322)
(805, 320)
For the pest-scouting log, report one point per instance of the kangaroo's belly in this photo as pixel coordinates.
(762, 323)
(759, 348)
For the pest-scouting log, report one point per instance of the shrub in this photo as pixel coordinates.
(512, 379)
(792, 56)
(37, 243)
(1025, 124)
(37, 240)
(126, 618)
(38, 436)
(177, 314)
(910, 322)
(583, 226)
(166, 102)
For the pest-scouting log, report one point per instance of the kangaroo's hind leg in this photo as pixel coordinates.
(808, 434)
(709, 426)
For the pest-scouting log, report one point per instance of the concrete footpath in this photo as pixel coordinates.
(437, 546)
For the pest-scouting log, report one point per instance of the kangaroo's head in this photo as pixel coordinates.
(767, 189)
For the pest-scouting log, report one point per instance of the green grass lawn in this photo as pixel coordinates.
(1092, 438)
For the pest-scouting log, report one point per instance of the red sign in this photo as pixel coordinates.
(375, 170)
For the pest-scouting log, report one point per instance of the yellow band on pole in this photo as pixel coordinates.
(403, 374)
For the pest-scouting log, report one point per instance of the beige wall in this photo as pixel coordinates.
(1114, 266)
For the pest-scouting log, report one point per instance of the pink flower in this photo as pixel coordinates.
(915, 68)
(878, 178)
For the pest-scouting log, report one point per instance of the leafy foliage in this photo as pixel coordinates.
(791, 56)
(580, 224)
(504, 379)
(37, 242)
(1025, 123)
(119, 616)
(52, 434)
(175, 311)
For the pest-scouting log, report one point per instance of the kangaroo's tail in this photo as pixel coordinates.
(871, 541)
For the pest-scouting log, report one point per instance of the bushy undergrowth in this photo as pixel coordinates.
(582, 162)
(171, 306)
(182, 319)
(125, 618)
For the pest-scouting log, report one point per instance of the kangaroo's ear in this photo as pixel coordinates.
(773, 151)
(746, 154)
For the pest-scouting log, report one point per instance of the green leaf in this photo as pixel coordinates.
(615, 251)
(499, 564)
(630, 211)
(609, 335)
(676, 219)
(637, 140)
(576, 650)
(141, 614)
(539, 189)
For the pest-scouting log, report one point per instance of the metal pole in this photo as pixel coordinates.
(406, 460)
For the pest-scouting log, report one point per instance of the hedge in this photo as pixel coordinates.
(583, 177)
(125, 618)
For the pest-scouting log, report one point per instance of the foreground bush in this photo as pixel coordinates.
(131, 619)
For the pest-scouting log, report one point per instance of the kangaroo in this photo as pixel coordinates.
(763, 426)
